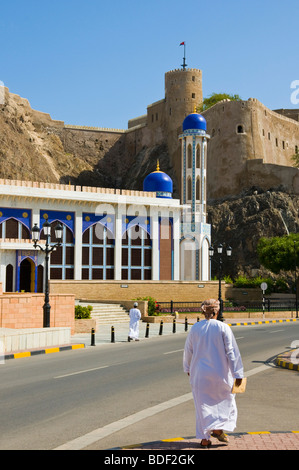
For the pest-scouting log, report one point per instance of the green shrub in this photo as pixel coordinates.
(152, 305)
(82, 312)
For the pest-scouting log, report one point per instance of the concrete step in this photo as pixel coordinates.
(107, 313)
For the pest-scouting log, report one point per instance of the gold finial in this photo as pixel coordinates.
(194, 109)
(158, 166)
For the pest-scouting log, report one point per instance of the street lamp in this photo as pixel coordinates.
(219, 261)
(296, 290)
(47, 249)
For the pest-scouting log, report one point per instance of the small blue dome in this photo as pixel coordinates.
(160, 183)
(195, 121)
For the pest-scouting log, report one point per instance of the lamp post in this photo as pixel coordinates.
(47, 250)
(219, 261)
(296, 290)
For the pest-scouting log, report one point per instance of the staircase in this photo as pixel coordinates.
(105, 314)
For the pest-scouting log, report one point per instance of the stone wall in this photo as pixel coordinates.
(26, 311)
(246, 131)
(162, 291)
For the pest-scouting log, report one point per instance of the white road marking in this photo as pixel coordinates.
(80, 372)
(100, 433)
(172, 352)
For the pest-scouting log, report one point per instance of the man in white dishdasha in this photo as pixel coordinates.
(135, 316)
(212, 360)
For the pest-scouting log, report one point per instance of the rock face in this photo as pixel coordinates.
(241, 221)
(30, 147)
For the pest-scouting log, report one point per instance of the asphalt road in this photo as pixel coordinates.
(108, 396)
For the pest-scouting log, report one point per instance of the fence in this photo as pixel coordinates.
(270, 305)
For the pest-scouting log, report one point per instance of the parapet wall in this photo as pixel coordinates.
(19, 311)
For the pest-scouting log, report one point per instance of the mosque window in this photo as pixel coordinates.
(136, 254)
(189, 156)
(296, 149)
(189, 189)
(283, 144)
(198, 156)
(193, 95)
(97, 253)
(62, 259)
(12, 228)
(198, 189)
(9, 278)
(240, 129)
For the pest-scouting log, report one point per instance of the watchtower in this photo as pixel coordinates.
(183, 92)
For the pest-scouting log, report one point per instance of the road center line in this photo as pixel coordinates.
(172, 352)
(276, 331)
(100, 433)
(80, 372)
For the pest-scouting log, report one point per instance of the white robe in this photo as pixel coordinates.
(135, 316)
(213, 360)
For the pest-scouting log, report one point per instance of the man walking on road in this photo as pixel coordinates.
(212, 361)
(135, 316)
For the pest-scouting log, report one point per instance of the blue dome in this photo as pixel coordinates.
(195, 121)
(160, 183)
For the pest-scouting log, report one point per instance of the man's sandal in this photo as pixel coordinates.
(221, 437)
(205, 446)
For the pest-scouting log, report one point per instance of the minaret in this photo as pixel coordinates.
(194, 166)
(195, 232)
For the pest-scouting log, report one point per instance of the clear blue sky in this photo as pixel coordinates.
(100, 63)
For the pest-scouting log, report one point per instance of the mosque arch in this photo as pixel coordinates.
(9, 278)
(15, 229)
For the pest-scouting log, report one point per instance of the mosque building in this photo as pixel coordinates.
(111, 234)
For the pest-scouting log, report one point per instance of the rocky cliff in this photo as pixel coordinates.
(30, 148)
(241, 221)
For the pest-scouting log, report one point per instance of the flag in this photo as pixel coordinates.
(182, 44)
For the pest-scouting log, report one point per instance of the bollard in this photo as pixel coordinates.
(174, 326)
(186, 324)
(147, 330)
(92, 337)
(112, 335)
(161, 328)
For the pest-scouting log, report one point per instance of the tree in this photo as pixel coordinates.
(279, 253)
(215, 98)
(295, 159)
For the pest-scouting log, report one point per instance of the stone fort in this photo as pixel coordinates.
(250, 145)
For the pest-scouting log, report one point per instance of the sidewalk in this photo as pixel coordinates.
(237, 441)
(121, 330)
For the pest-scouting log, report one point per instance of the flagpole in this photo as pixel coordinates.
(184, 65)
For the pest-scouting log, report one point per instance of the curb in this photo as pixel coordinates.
(36, 352)
(285, 360)
(262, 322)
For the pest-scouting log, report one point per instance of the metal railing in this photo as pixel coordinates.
(270, 305)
